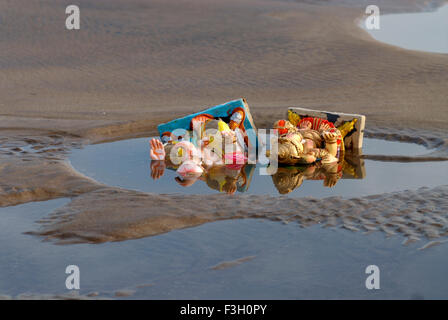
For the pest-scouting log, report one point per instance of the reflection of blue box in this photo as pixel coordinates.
(224, 112)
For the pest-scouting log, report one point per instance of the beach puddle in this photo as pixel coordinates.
(426, 31)
(126, 164)
(234, 259)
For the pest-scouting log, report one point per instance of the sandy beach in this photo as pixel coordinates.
(134, 64)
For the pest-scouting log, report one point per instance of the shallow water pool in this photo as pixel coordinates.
(127, 164)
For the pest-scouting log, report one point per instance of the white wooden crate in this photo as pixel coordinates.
(354, 139)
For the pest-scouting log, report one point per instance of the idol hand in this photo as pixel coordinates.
(157, 150)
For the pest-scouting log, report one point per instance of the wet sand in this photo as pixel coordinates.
(135, 64)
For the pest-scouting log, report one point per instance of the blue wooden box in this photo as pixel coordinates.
(222, 111)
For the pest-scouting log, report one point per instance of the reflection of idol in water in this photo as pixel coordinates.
(227, 179)
(286, 179)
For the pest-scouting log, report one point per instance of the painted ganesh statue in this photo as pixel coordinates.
(311, 140)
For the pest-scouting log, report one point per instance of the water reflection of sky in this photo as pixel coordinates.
(426, 31)
(126, 164)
